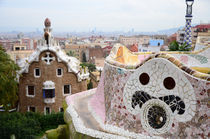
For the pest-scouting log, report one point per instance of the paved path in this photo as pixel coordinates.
(81, 106)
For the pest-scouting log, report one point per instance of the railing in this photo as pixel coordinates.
(49, 100)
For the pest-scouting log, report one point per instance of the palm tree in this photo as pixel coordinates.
(71, 53)
(175, 46)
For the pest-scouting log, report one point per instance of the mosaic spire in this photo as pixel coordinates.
(188, 32)
(188, 17)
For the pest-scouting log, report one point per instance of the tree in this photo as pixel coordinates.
(71, 53)
(91, 67)
(8, 80)
(84, 57)
(90, 85)
(175, 46)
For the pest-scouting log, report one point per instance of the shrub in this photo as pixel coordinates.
(27, 125)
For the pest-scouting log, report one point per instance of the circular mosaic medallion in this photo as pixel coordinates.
(156, 117)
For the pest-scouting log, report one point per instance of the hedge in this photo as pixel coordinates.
(28, 125)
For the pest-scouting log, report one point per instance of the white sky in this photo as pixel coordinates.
(104, 15)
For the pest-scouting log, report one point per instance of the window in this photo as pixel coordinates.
(49, 93)
(48, 58)
(17, 48)
(67, 89)
(30, 90)
(59, 72)
(37, 72)
(61, 110)
(31, 109)
(47, 110)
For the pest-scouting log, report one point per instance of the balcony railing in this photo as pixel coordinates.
(49, 100)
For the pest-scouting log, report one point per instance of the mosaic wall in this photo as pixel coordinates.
(157, 99)
(193, 60)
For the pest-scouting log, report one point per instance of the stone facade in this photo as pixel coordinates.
(48, 72)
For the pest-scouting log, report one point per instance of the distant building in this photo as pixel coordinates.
(149, 48)
(107, 50)
(8, 44)
(160, 37)
(78, 50)
(180, 36)
(155, 42)
(48, 75)
(203, 40)
(134, 48)
(17, 55)
(17, 47)
(172, 38)
(28, 43)
(130, 40)
(19, 51)
(199, 29)
(154, 46)
(96, 55)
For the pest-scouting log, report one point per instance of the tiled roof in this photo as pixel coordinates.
(203, 26)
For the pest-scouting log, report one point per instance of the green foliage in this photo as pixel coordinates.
(27, 125)
(62, 132)
(71, 53)
(84, 57)
(175, 46)
(51, 121)
(184, 47)
(90, 85)
(8, 83)
(91, 67)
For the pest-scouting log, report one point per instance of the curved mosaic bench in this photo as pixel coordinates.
(144, 95)
(114, 60)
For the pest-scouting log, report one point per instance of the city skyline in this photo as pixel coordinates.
(102, 15)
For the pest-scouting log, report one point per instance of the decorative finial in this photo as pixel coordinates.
(47, 22)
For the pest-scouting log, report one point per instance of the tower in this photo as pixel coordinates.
(188, 17)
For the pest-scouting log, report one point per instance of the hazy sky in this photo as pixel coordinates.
(104, 15)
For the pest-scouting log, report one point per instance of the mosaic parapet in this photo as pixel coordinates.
(159, 96)
(121, 52)
(145, 95)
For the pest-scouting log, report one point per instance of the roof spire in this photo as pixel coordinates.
(47, 22)
(47, 31)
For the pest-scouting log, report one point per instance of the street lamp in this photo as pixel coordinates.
(188, 17)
